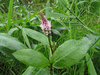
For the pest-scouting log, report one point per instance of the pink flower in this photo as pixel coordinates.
(29, 13)
(45, 25)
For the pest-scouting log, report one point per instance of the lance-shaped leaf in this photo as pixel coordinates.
(91, 68)
(26, 38)
(43, 71)
(7, 52)
(12, 30)
(32, 58)
(34, 71)
(29, 71)
(70, 52)
(36, 35)
(10, 42)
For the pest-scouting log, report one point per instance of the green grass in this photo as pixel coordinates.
(85, 21)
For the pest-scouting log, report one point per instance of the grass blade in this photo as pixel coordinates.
(47, 7)
(90, 65)
(9, 15)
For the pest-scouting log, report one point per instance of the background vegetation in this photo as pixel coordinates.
(70, 19)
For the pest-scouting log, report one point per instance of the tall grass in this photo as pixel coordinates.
(9, 15)
(70, 19)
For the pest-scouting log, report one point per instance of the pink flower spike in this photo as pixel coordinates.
(45, 25)
(29, 13)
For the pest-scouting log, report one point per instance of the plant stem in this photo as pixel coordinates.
(50, 43)
(51, 70)
(51, 51)
(82, 22)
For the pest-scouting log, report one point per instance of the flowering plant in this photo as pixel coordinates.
(45, 25)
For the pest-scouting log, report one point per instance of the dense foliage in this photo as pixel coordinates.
(63, 41)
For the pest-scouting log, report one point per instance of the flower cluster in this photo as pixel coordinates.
(45, 25)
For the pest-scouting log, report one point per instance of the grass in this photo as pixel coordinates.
(89, 23)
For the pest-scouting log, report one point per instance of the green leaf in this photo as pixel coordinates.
(63, 3)
(7, 52)
(25, 38)
(56, 32)
(81, 2)
(9, 14)
(32, 58)
(62, 23)
(47, 7)
(10, 42)
(81, 72)
(93, 38)
(95, 41)
(55, 15)
(37, 36)
(43, 71)
(12, 30)
(17, 21)
(57, 23)
(90, 65)
(34, 71)
(33, 15)
(59, 10)
(70, 52)
(29, 71)
(96, 5)
(36, 13)
(1, 25)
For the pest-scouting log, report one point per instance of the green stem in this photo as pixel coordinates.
(50, 43)
(51, 69)
(51, 51)
(82, 22)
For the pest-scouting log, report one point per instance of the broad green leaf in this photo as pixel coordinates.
(34, 71)
(93, 38)
(29, 71)
(10, 42)
(12, 30)
(25, 38)
(32, 58)
(70, 52)
(90, 65)
(37, 36)
(95, 41)
(7, 52)
(43, 71)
